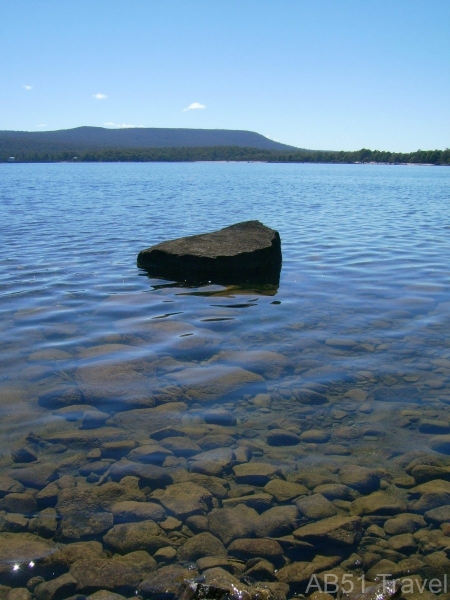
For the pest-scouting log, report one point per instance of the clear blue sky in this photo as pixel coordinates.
(321, 74)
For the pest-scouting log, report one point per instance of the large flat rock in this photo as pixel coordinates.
(244, 252)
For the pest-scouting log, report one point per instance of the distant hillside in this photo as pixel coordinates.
(83, 139)
(96, 144)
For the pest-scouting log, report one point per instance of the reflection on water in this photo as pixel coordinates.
(153, 432)
(263, 289)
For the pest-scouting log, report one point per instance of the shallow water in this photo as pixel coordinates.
(348, 359)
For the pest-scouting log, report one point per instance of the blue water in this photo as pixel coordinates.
(362, 311)
(357, 240)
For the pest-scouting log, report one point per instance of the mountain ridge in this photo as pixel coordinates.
(98, 138)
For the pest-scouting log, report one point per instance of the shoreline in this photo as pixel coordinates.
(273, 162)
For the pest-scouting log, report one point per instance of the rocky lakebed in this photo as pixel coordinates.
(234, 469)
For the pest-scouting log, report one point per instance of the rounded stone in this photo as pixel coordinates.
(362, 479)
(283, 491)
(315, 436)
(21, 548)
(440, 443)
(251, 548)
(308, 396)
(92, 419)
(342, 531)
(145, 535)
(203, 544)
(403, 543)
(82, 513)
(166, 581)
(267, 363)
(185, 499)
(378, 503)
(60, 397)
(229, 524)
(439, 515)
(282, 437)
(60, 587)
(150, 454)
(181, 446)
(116, 385)
(315, 507)
(19, 503)
(166, 554)
(19, 594)
(23, 454)
(210, 383)
(219, 417)
(277, 521)
(255, 473)
(335, 491)
(129, 511)
(36, 476)
(70, 553)
(405, 523)
(259, 502)
(434, 426)
(98, 574)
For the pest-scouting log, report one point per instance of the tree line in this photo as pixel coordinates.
(231, 153)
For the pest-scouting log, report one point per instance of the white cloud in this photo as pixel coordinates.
(121, 125)
(100, 96)
(194, 106)
(42, 125)
(27, 87)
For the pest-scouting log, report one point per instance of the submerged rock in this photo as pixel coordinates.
(277, 521)
(380, 591)
(204, 384)
(65, 556)
(61, 587)
(23, 454)
(118, 386)
(361, 479)
(269, 364)
(184, 499)
(60, 397)
(378, 503)
(82, 513)
(130, 510)
(165, 582)
(203, 544)
(247, 251)
(94, 575)
(129, 537)
(220, 585)
(20, 549)
(37, 476)
(340, 531)
(229, 524)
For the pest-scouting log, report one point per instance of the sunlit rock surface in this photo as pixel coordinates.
(247, 251)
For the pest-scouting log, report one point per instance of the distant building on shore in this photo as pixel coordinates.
(11, 159)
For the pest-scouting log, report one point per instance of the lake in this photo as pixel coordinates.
(153, 432)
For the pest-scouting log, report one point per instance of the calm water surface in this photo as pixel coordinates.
(103, 369)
